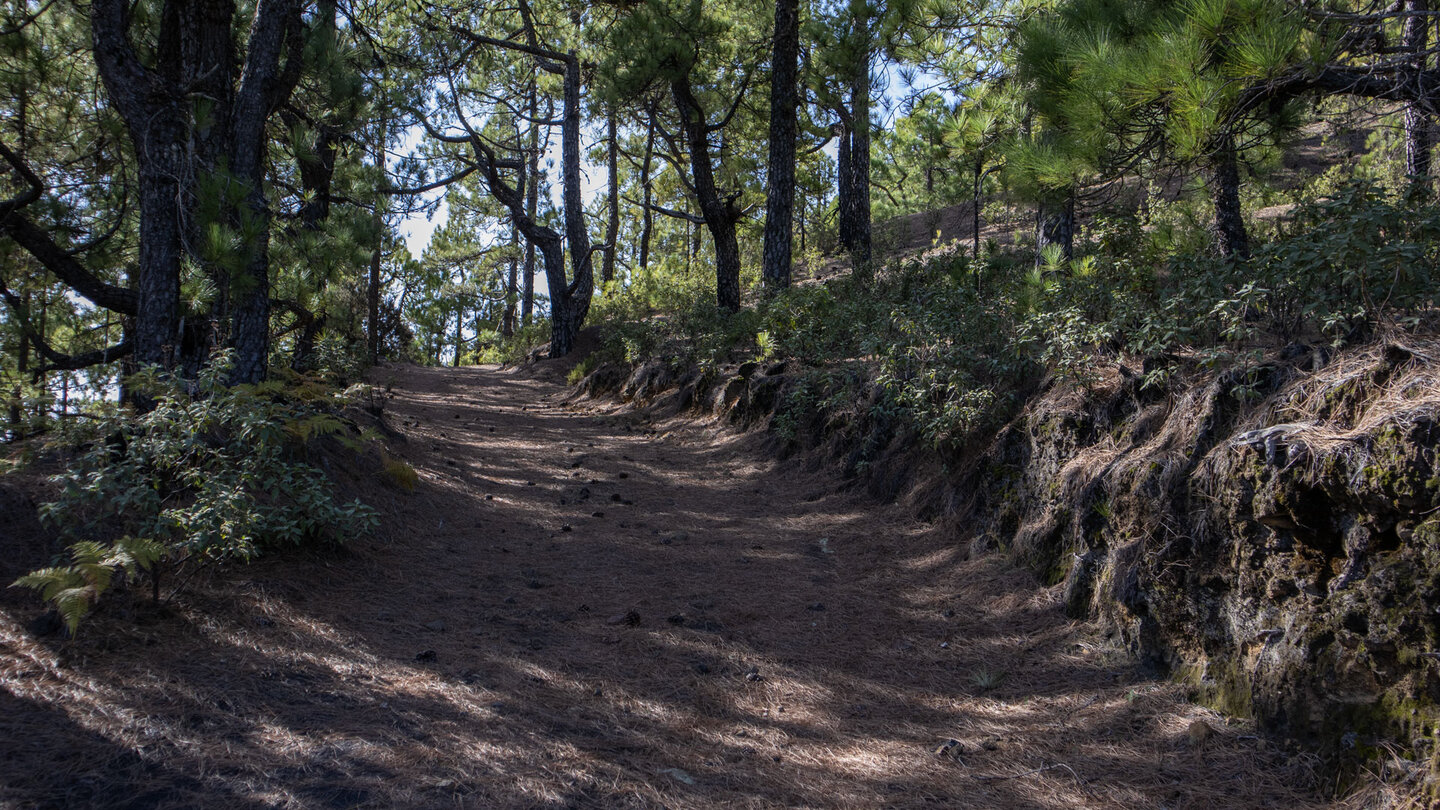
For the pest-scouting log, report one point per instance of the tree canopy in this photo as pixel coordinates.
(188, 177)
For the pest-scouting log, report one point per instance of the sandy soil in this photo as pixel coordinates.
(578, 608)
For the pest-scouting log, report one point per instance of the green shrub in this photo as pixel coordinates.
(581, 370)
(954, 343)
(516, 348)
(212, 473)
(1336, 269)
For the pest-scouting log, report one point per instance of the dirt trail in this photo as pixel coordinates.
(577, 609)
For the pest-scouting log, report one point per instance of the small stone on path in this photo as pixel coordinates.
(629, 619)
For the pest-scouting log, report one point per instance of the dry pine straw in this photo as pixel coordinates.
(797, 645)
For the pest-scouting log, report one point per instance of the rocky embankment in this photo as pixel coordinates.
(1269, 534)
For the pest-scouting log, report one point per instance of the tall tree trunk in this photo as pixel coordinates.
(193, 57)
(1230, 236)
(22, 353)
(612, 229)
(647, 217)
(860, 149)
(507, 322)
(255, 98)
(304, 356)
(532, 205)
(1418, 136)
(372, 287)
(844, 192)
(975, 216)
(316, 167)
(207, 70)
(156, 117)
(459, 318)
(569, 300)
(780, 196)
(41, 379)
(574, 299)
(157, 274)
(22, 366)
(459, 336)
(720, 215)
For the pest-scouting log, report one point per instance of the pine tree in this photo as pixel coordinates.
(1116, 84)
(705, 58)
(780, 174)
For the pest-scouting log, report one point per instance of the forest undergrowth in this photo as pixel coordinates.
(951, 346)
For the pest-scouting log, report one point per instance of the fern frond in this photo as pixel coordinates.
(401, 473)
(144, 552)
(320, 424)
(74, 604)
(48, 581)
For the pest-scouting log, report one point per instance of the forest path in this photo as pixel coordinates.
(579, 609)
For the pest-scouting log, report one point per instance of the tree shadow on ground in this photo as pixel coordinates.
(726, 631)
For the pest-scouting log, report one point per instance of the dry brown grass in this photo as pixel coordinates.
(822, 647)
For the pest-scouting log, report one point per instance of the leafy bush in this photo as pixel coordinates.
(1351, 259)
(210, 474)
(581, 370)
(944, 354)
(1336, 269)
(954, 343)
(951, 358)
(514, 349)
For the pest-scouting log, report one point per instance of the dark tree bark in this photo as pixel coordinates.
(207, 64)
(860, 153)
(844, 177)
(459, 327)
(647, 216)
(174, 149)
(569, 304)
(1418, 136)
(261, 91)
(1231, 238)
(22, 367)
(780, 196)
(612, 228)
(316, 167)
(311, 325)
(372, 286)
(154, 112)
(720, 214)
(507, 321)
(532, 206)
